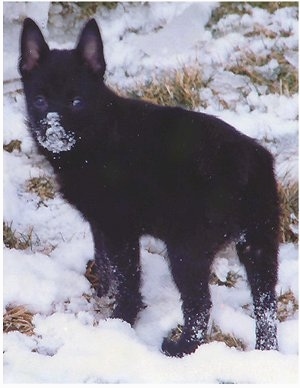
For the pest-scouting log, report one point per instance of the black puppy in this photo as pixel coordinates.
(132, 168)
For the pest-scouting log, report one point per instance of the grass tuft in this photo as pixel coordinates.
(13, 145)
(91, 274)
(245, 7)
(178, 87)
(216, 334)
(287, 306)
(288, 194)
(89, 8)
(283, 80)
(273, 6)
(231, 279)
(16, 240)
(227, 8)
(43, 186)
(18, 319)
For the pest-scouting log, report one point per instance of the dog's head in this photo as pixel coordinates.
(61, 86)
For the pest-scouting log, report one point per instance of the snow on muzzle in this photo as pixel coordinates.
(54, 137)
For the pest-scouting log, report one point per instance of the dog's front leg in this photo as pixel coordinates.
(125, 258)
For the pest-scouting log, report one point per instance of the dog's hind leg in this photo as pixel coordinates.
(258, 251)
(261, 266)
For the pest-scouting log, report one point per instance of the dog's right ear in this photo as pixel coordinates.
(33, 46)
(90, 48)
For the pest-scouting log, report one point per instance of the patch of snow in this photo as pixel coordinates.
(39, 282)
(69, 351)
(55, 139)
(288, 267)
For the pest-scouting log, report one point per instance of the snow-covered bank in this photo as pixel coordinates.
(72, 343)
(73, 351)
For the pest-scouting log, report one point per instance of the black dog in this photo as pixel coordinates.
(133, 168)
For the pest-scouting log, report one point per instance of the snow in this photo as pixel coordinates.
(55, 139)
(82, 353)
(288, 256)
(197, 16)
(55, 280)
(74, 341)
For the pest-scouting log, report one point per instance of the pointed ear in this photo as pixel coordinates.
(33, 46)
(90, 48)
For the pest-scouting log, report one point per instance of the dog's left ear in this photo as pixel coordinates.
(90, 48)
(34, 49)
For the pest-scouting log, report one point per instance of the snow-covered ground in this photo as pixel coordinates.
(72, 342)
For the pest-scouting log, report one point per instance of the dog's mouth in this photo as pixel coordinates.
(54, 137)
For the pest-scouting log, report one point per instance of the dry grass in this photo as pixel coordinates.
(288, 194)
(287, 306)
(231, 279)
(263, 31)
(272, 6)
(245, 7)
(89, 8)
(216, 334)
(285, 78)
(42, 186)
(284, 81)
(182, 86)
(16, 240)
(13, 145)
(259, 30)
(227, 8)
(18, 319)
(91, 274)
(176, 333)
(178, 87)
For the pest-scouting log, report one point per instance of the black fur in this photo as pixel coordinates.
(133, 168)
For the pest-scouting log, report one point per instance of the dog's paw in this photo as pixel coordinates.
(179, 348)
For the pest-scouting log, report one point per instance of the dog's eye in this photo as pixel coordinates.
(40, 102)
(77, 103)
